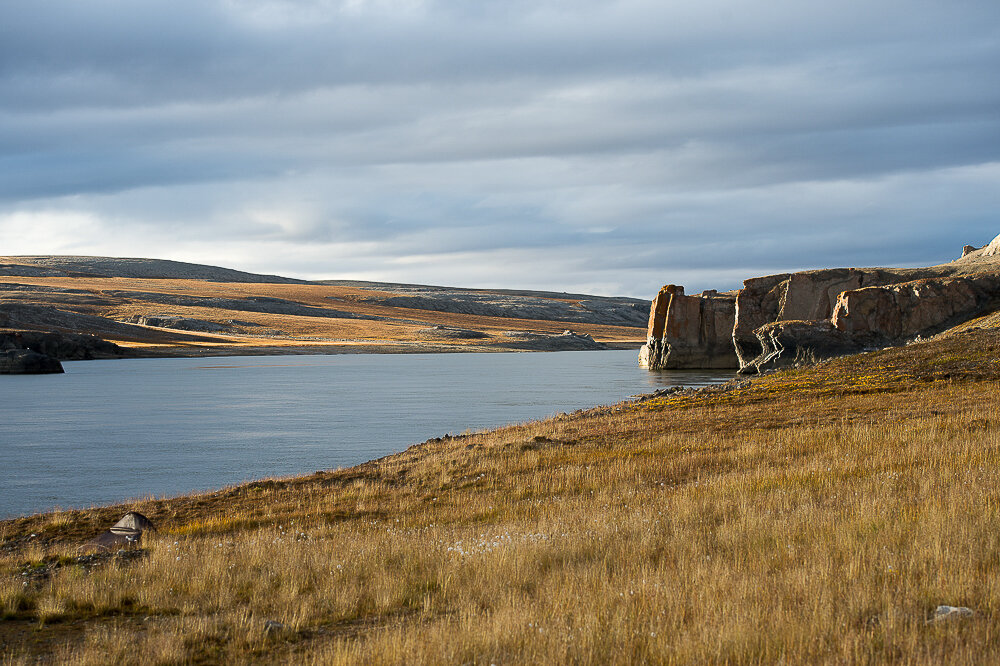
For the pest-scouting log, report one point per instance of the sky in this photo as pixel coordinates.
(604, 147)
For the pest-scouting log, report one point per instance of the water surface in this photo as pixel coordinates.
(107, 431)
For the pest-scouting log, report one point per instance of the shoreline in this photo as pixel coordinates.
(507, 416)
(349, 348)
(674, 391)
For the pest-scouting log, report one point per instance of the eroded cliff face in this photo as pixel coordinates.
(791, 318)
(879, 316)
(806, 296)
(689, 331)
(790, 343)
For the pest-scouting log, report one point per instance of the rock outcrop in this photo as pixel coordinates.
(38, 352)
(791, 343)
(879, 316)
(689, 331)
(60, 346)
(567, 341)
(129, 267)
(452, 333)
(519, 305)
(27, 362)
(993, 249)
(179, 323)
(791, 318)
(806, 296)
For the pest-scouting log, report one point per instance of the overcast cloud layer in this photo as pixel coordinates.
(578, 145)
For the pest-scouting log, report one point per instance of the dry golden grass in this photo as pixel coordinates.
(818, 516)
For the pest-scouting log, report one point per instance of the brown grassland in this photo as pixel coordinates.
(400, 331)
(819, 515)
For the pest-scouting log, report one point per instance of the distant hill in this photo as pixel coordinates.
(156, 306)
(127, 267)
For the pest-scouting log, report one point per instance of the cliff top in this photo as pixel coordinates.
(985, 259)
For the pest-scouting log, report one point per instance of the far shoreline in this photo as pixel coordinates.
(337, 349)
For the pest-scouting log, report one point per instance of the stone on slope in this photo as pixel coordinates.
(945, 613)
(127, 532)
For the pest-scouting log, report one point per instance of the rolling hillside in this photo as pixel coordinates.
(157, 307)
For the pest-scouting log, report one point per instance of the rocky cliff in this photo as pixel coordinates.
(792, 318)
(38, 352)
(879, 316)
(60, 346)
(25, 362)
(689, 331)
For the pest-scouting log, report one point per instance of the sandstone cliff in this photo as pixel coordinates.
(808, 296)
(689, 331)
(792, 318)
(878, 316)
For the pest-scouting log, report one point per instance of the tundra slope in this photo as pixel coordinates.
(154, 307)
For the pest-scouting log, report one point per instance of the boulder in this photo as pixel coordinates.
(27, 362)
(127, 532)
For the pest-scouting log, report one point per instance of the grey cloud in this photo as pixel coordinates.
(622, 140)
(211, 49)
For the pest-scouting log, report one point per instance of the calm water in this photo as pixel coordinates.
(107, 431)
